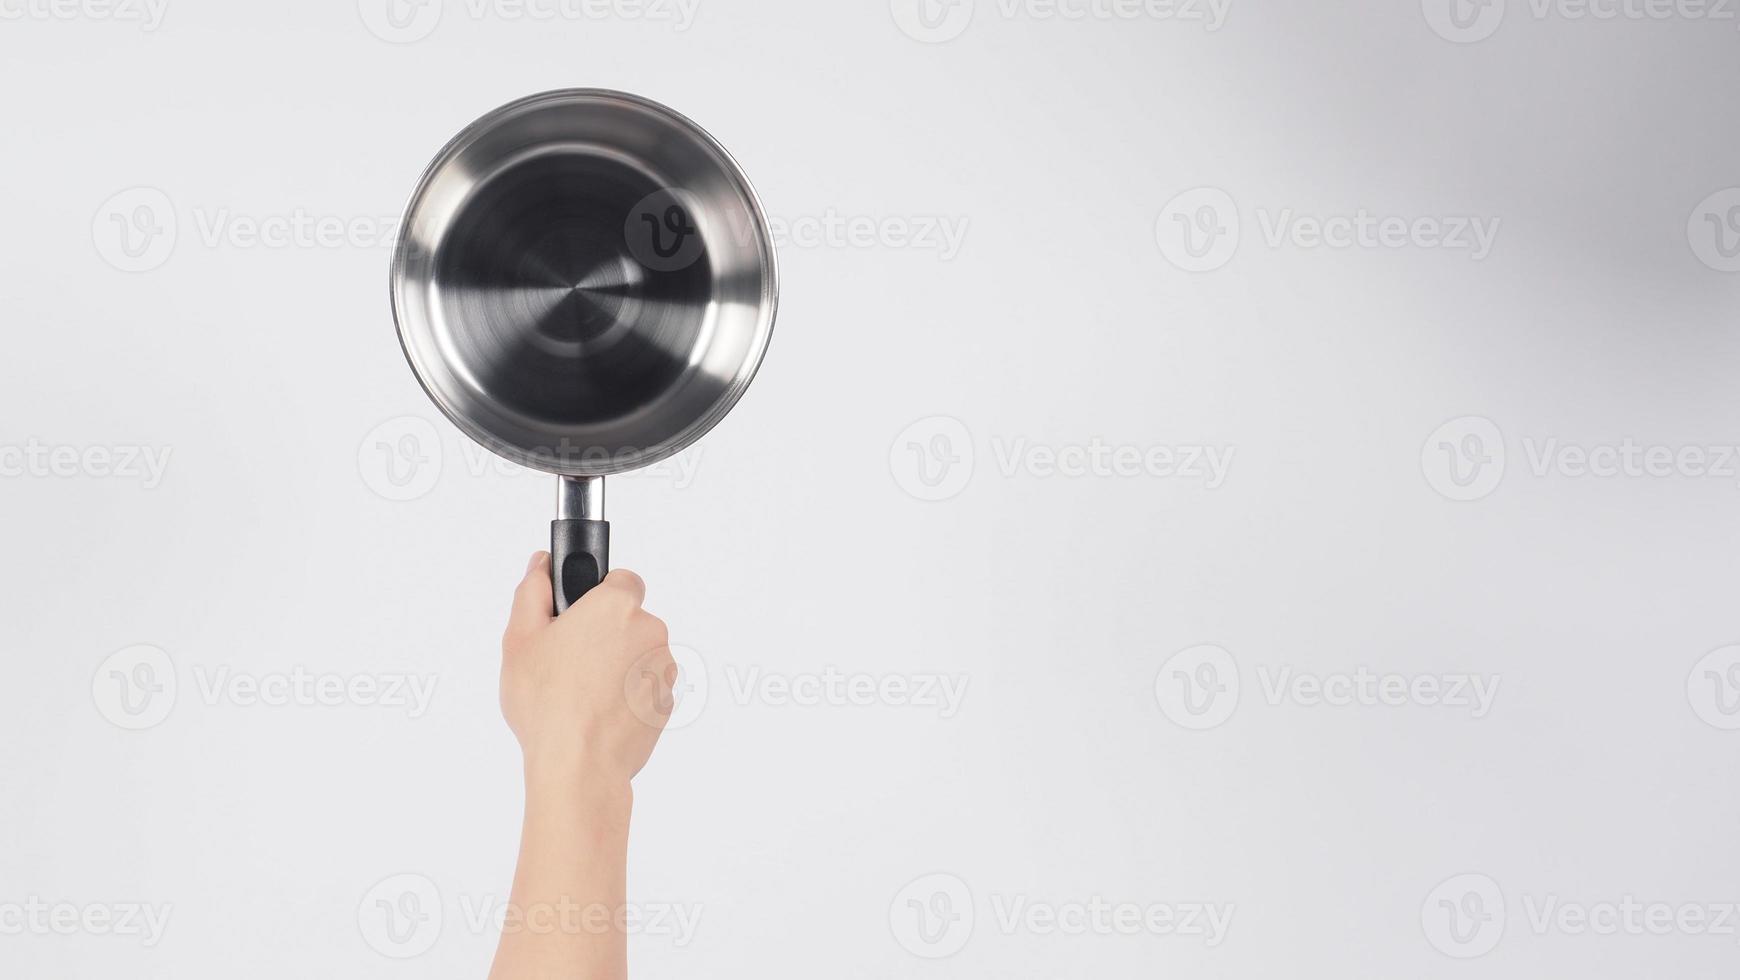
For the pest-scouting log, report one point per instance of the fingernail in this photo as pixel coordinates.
(536, 557)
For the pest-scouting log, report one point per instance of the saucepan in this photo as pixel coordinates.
(584, 284)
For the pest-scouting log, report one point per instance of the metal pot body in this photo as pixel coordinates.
(584, 284)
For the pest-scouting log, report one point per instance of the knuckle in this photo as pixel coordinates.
(617, 602)
(625, 580)
(531, 584)
(607, 596)
(617, 596)
(654, 628)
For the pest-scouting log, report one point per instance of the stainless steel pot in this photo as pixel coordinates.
(584, 284)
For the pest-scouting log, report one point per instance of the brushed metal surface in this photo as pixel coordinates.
(585, 282)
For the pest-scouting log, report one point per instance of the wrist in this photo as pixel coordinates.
(575, 779)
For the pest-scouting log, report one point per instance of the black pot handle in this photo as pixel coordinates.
(579, 559)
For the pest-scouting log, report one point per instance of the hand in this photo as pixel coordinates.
(587, 692)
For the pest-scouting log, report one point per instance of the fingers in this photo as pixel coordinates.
(652, 630)
(649, 634)
(631, 585)
(533, 602)
(621, 589)
(650, 685)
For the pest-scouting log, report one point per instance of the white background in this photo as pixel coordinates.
(802, 542)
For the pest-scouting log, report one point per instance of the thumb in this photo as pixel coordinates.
(534, 605)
